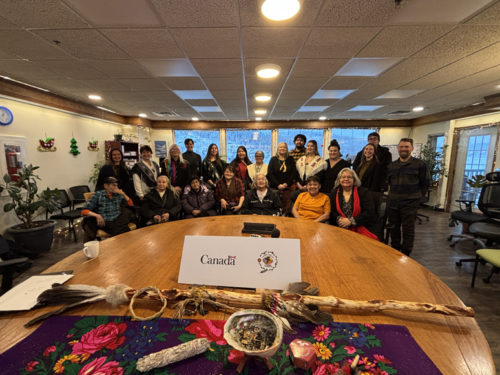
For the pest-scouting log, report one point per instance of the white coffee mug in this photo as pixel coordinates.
(91, 249)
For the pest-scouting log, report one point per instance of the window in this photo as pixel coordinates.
(253, 140)
(287, 135)
(202, 139)
(351, 141)
(476, 161)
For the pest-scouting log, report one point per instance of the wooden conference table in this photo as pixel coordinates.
(339, 262)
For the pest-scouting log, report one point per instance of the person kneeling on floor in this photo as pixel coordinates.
(104, 211)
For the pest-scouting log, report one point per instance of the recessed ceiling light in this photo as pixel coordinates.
(194, 118)
(497, 86)
(418, 109)
(322, 118)
(262, 97)
(143, 115)
(94, 97)
(268, 70)
(258, 119)
(260, 111)
(279, 10)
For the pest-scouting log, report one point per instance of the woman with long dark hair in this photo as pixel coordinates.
(334, 164)
(213, 166)
(240, 163)
(370, 170)
(145, 172)
(229, 192)
(115, 167)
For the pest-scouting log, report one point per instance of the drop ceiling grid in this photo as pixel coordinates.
(207, 34)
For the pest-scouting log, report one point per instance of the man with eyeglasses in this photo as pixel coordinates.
(408, 179)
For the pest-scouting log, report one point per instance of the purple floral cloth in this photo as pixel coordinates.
(111, 345)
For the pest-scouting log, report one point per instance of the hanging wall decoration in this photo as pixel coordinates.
(73, 147)
(93, 146)
(47, 144)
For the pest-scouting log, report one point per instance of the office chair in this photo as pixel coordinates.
(10, 263)
(70, 215)
(465, 215)
(77, 193)
(487, 232)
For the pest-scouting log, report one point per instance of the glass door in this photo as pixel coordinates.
(474, 157)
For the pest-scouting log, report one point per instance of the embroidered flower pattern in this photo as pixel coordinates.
(112, 346)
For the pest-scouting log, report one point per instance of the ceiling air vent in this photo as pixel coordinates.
(165, 114)
(399, 113)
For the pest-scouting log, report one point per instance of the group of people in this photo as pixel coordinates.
(298, 183)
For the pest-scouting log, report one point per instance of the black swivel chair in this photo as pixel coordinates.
(487, 232)
(71, 214)
(467, 217)
(77, 194)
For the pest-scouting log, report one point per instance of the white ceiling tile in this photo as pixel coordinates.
(272, 42)
(120, 68)
(52, 14)
(217, 67)
(159, 45)
(25, 45)
(462, 41)
(223, 83)
(143, 84)
(82, 43)
(208, 42)
(116, 12)
(337, 42)
(22, 69)
(72, 69)
(346, 83)
(367, 67)
(183, 83)
(398, 94)
(356, 13)
(402, 41)
(317, 67)
(442, 11)
(488, 16)
(169, 67)
(197, 13)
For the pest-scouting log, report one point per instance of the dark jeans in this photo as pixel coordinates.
(115, 227)
(401, 215)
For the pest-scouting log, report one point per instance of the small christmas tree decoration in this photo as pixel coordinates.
(74, 147)
(47, 144)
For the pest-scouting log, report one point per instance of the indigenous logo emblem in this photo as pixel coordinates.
(267, 261)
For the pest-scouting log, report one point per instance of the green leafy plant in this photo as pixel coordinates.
(435, 161)
(25, 197)
(477, 181)
(95, 171)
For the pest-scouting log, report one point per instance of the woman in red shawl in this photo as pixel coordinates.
(352, 206)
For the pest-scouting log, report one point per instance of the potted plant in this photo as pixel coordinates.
(476, 182)
(33, 236)
(435, 162)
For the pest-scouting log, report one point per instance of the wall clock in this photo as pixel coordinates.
(6, 116)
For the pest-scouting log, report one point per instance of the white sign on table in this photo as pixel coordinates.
(244, 262)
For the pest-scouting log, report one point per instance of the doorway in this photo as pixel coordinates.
(474, 156)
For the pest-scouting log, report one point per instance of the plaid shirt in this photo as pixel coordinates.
(102, 204)
(296, 155)
(240, 191)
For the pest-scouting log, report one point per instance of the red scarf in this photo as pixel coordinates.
(355, 212)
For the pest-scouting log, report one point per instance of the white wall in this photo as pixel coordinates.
(58, 169)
